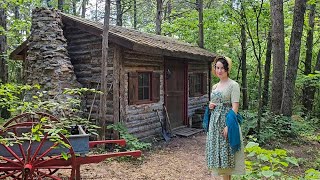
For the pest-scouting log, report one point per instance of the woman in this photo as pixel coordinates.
(225, 95)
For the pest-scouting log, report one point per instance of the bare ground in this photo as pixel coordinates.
(180, 158)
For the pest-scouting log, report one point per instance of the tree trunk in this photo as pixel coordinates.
(60, 5)
(244, 64)
(119, 13)
(3, 48)
(169, 10)
(18, 67)
(278, 48)
(84, 8)
(293, 60)
(317, 67)
(200, 25)
(159, 16)
(74, 7)
(135, 14)
(48, 3)
(308, 90)
(104, 64)
(267, 67)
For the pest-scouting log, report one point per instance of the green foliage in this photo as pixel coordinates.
(132, 143)
(12, 98)
(263, 163)
(277, 128)
(312, 174)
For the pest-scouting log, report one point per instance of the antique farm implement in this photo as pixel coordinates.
(47, 157)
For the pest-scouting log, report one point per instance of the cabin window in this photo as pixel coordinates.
(197, 84)
(144, 87)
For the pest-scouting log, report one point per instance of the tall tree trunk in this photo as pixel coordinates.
(119, 13)
(84, 8)
(278, 48)
(104, 64)
(49, 4)
(267, 67)
(200, 25)
(293, 60)
(3, 48)
(244, 63)
(308, 90)
(169, 10)
(18, 68)
(4, 113)
(135, 14)
(159, 16)
(60, 5)
(317, 66)
(74, 7)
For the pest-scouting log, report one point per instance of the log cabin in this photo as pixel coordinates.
(146, 72)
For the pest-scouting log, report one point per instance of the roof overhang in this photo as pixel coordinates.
(117, 38)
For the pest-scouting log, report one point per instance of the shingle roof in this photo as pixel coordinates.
(167, 46)
(133, 39)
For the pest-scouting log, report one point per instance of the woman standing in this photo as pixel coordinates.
(225, 95)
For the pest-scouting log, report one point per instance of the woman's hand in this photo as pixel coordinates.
(212, 105)
(225, 132)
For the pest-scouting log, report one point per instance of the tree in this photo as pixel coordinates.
(200, 34)
(255, 38)
(278, 55)
(60, 5)
(119, 13)
(293, 60)
(267, 67)
(159, 16)
(243, 42)
(3, 46)
(308, 91)
(84, 8)
(135, 14)
(104, 64)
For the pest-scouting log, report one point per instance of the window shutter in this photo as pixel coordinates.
(133, 87)
(155, 87)
(204, 83)
(191, 86)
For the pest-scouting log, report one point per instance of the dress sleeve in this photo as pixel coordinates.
(235, 93)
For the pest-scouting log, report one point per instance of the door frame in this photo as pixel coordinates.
(185, 83)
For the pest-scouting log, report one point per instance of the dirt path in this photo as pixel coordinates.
(179, 159)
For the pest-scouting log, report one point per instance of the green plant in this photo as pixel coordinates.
(312, 174)
(19, 99)
(263, 163)
(132, 143)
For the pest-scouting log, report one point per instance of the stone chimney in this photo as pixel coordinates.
(47, 62)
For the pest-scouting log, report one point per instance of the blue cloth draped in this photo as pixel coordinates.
(206, 119)
(233, 120)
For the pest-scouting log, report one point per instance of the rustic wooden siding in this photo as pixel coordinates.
(85, 53)
(197, 102)
(141, 120)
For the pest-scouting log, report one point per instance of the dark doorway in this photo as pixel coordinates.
(175, 91)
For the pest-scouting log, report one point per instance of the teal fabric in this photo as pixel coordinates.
(206, 119)
(233, 130)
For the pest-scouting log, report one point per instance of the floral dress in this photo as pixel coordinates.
(219, 156)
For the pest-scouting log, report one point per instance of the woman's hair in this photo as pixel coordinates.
(224, 62)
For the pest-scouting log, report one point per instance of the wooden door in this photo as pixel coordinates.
(175, 92)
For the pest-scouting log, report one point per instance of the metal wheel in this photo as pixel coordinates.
(30, 159)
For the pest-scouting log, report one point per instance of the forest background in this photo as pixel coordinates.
(274, 45)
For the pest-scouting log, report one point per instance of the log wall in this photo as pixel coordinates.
(198, 102)
(85, 53)
(141, 120)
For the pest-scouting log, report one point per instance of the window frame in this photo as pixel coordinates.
(149, 100)
(197, 77)
(133, 87)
